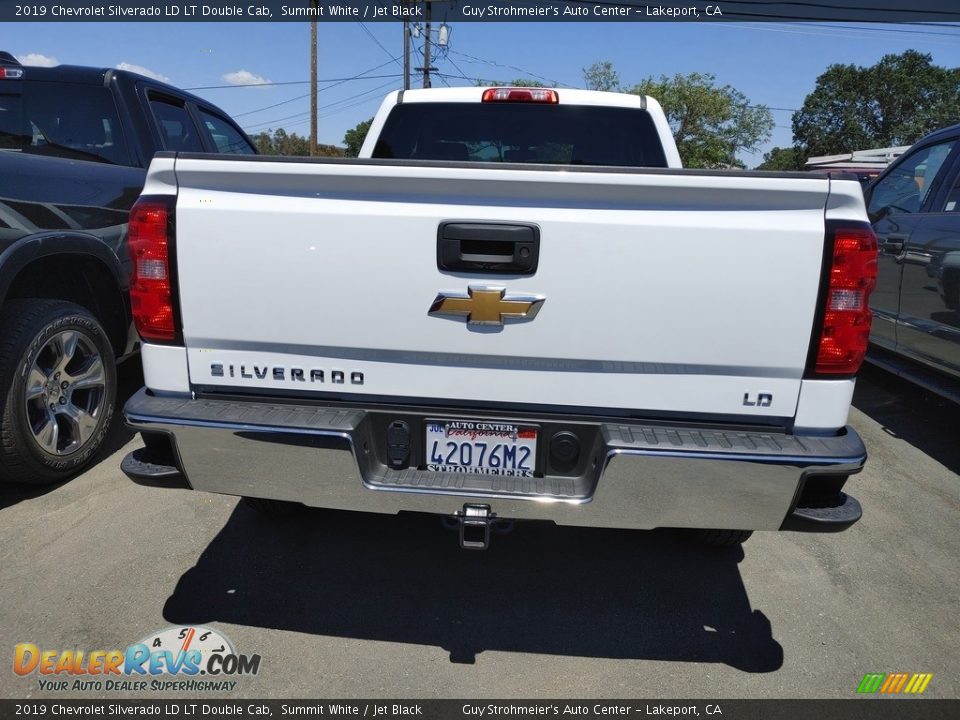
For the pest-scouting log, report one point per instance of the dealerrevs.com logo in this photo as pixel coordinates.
(174, 659)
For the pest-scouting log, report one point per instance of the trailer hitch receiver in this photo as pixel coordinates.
(475, 521)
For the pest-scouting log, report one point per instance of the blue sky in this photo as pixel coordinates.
(775, 64)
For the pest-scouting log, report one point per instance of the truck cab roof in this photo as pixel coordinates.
(564, 96)
(83, 75)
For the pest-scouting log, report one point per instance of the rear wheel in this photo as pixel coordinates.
(723, 538)
(57, 390)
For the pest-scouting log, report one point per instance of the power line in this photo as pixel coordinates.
(360, 76)
(270, 107)
(301, 97)
(267, 123)
(876, 29)
(441, 52)
(299, 82)
(380, 45)
(493, 63)
(795, 28)
(454, 63)
(419, 52)
(353, 104)
(774, 108)
(333, 112)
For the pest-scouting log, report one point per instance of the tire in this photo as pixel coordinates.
(723, 538)
(273, 508)
(58, 388)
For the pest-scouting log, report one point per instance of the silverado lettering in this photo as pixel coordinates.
(260, 372)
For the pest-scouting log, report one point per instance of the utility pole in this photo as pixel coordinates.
(313, 78)
(426, 45)
(406, 54)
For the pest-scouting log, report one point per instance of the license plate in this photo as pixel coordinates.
(481, 447)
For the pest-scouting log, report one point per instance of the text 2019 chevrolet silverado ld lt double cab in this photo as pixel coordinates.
(75, 143)
(515, 305)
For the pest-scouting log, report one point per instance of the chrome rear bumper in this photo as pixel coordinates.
(638, 475)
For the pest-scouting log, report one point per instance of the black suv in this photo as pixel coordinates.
(75, 143)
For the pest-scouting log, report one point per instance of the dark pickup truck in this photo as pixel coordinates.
(75, 143)
(915, 210)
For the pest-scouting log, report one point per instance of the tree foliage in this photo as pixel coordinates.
(526, 82)
(353, 138)
(280, 142)
(894, 102)
(790, 158)
(601, 76)
(516, 82)
(710, 123)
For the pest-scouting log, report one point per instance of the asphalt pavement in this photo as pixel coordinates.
(344, 604)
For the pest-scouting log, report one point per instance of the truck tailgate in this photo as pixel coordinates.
(662, 291)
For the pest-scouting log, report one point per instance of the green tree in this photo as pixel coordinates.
(264, 143)
(290, 143)
(790, 158)
(601, 76)
(330, 151)
(354, 137)
(526, 82)
(517, 82)
(710, 123)
(894, 102)
(280, 142)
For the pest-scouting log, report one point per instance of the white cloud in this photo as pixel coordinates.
(244, 77)
(37, 60)
(141, 70)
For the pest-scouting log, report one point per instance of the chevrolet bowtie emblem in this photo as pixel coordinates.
(486, 305)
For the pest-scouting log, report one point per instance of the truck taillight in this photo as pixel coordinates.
(150, 237)
(845, 331)
(9, 73)
(529, 95)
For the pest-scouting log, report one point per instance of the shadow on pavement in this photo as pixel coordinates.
(129, 380)
(907, 411)
(541, 589)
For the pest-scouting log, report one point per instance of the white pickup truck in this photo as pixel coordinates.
(514, 305)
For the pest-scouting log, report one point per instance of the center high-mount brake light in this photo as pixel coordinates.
(151, 285)
(521, 95)
(843, 340)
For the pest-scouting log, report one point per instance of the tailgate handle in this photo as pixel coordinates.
(490, 248)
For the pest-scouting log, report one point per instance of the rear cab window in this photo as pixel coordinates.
(223, 135)
(177, 129)
(521, 133)
(79, 122)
